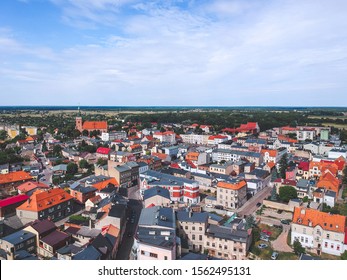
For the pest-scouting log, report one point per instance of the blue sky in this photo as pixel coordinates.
(173, 52)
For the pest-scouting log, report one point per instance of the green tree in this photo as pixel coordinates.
(283, 166)
(72, 168)
(274, 195)
(85, 132)
(3, 135)
(287, 193)
(298, 249)
(344, 178)
(84, 164)
(44, 147)
(344, 256)
(57, 150)
(250, 222)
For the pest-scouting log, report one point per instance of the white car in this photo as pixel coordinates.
(209, 205)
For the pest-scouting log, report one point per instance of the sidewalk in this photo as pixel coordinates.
(280, 244)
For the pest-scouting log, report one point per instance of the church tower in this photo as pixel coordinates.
(79, 125)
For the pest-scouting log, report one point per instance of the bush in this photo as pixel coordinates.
(298, 249)
(287, 193)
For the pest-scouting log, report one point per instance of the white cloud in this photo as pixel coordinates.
(223, 52)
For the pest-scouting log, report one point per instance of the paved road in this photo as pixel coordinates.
(280, 244)
(134, 208)
(250, 206)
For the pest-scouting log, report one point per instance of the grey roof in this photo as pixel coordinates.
(87, 232)
(90, 253)
(117, 211)
(158, 216)
(215, 217)
(132, 164)
(258, 141)
(24, 255)
(224, 232)
(60, 167)
(83, 189)
(172, 171)
(155, 236)
(302, 184)
(193, 217)
(156, 191)
(69, 249)
(237, 152)
(305, 257)
(260, 173)
(18, 237)
(200, 175)
(122, 168)
(330, 193)
(142, 164)
(155, 175)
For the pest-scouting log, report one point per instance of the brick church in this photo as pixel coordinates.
(91, 125)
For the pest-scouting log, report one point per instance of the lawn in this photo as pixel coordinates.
(287, 256)
(275, 232)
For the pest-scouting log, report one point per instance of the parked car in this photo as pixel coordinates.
(278, 226)
(266, 232)
(258, 204)
(285, 221)
(274, 256)
(220, 207)
(262, 246)
(264, 238)
(209, 205)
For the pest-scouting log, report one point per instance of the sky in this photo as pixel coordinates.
(173, 52)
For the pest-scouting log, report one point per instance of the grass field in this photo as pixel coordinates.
(342, 126)
(328, 117)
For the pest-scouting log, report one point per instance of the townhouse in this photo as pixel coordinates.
(232, 194)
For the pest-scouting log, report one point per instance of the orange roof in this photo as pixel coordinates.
(160, 155)
(95, 199)
(237, 186)
(14, 177)
(136, 146)
(332, 167)
(192, 156)
(287, 139)
(94, 125)
(289, 128)
(272, 153)
(271, 164)
(325, 220)
(112, 230)
(104, 184)
(28, 186)
(41, 200)
(329, 181)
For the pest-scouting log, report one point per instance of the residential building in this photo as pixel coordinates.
(82, 193)
(197, 158)
(155, 238)
(14, 179)
(319, 231)
(228, 242)
(305, 134)
(197, 139)
(91, 125)
(156, 196)
(114, 135)
(17, 242)
(192, 227)
(54, 204)
(236, 155)
(232, 194)
(8, 205)
(167, 136)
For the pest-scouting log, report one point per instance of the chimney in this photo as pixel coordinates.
(190, 213)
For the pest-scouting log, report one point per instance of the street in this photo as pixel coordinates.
(251, 205)
(133, 215)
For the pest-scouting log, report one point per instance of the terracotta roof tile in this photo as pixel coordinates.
(14, 177)
(314, 217)
(104, 184)
(41, 200)
(13, 200)
(94, 125)
(236, 186)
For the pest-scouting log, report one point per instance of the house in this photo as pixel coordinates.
(225, 168)
(198, 158)
(167, 136)
(319, 231)
(181, 189)
(105, 182)
(236, 155)
(191, 227)
(254, 186)
(155, 237)
(82, 193)
(304, 134)
(103, 152)
(40, 228)
(271, 155)
(54, 204)
(49, 244)
(8, 205)
(303, 188)
(249, 128)
(303, 170)
(197, 139)
(217, 139)
(232, 194)
(59, 169)
(88, 253)
(16, 242)
(29, 188)
(329, 182)
(14, 179)
(156, 196)
(4, 168)
(228, 242)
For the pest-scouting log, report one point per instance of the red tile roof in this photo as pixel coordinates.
(304, 166)
(103, 150)
(94, 125)
(327, 221)
(14, 177)
(13, 200)
(272, 153)
(28, 186)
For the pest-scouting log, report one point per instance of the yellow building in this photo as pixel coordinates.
(12, 132)
(31, 130)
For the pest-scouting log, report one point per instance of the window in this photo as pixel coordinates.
(142, 252)
(338, 247)
(200, 228)
(225, 247)
(219, 254)
(226, 255)
(186, 227)
(213, 244)
(302, 239)
(165, 258)
(235, 249)
(326, 244)
(200, 237)
(328, 236)
(240, 250)
(220, 246)
(208, 243)
(193, 228)
(306, 240)
(193, 237)
(153, 255)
